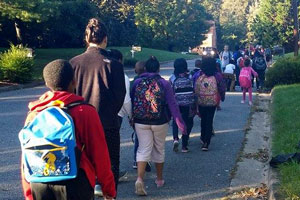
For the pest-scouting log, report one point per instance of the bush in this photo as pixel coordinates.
(15, 66)
(130, 62)
(285, 71)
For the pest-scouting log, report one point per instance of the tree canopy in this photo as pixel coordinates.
(174, 25)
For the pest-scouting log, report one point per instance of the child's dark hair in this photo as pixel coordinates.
(140, 67)
(95, 31)
(152, 65)
(198, 63)
(247, 62)
(115, 54)
(231, 61)
(209, 66)
(180, 66)
(58, 75)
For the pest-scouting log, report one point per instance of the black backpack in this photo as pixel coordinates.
(184, 91)
(260, 63)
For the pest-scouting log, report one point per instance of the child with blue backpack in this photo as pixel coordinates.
(182, 85)
(63, 143)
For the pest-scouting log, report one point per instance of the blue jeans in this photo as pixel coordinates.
(189, 122)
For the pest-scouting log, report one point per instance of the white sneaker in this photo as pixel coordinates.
(242, 101)
(175, 145)
(140, 188)
(98, 191)
(250, 103)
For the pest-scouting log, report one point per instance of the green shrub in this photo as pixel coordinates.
(15, 66)
(285, 71)
(130, 62)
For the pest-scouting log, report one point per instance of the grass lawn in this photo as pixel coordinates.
(286, 124)
(43, 56)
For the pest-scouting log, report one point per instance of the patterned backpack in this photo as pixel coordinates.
(149, 99)
(206, 90)
(184, 91)
(245, 77)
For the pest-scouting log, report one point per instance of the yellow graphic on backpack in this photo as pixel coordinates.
(50, 165)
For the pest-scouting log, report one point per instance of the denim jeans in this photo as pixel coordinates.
(189, 122)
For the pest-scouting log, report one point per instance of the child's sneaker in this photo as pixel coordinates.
(140, 188)
(159, 183)
(184, 150)
(250, 103)
(98, 191)
(175, 145)
(205, 147)
(242, 101)
(134, 166)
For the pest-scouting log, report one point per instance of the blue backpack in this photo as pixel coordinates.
(49, 146)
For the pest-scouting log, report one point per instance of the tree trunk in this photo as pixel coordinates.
(296, 27)
(18, 33)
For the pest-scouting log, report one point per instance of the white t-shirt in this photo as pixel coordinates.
(225, 58)
(229, 69)
(126, 108)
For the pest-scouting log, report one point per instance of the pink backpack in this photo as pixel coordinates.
(206, 90)
(245, 77)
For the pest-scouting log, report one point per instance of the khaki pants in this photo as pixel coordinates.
(232, 78)
(151, 142)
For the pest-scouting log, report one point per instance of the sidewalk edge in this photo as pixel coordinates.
(21, 86)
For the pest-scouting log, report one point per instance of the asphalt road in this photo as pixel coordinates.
(195, 175)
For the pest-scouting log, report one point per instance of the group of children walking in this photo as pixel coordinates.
(71, 138)
(240, 68)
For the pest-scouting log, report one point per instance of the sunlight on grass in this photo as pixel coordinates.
(285, 119)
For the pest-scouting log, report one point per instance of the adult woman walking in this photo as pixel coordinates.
(209, 89)
(153, 101)
(100, 80)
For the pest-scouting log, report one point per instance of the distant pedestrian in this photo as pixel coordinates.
(197, 67)
(100, 80)
(55, 159)
(225, 57)
(260, 66)
(182, 85)
(269, 57)
(209, 89)
(236, 55)
(153, 100)
(245, 80)
(229, 76)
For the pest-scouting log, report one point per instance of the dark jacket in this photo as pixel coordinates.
(100, 81)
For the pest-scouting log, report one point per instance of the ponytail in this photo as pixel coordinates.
(95, 31)
(152, 65)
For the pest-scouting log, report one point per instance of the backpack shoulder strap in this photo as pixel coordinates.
(76, 103)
